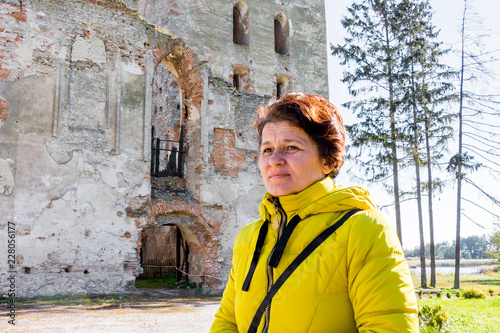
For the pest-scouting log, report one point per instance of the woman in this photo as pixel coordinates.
(354, 278)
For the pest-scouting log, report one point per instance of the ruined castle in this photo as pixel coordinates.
(126, 135)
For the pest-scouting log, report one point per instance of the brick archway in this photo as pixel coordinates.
(181, 60)
(200, 228)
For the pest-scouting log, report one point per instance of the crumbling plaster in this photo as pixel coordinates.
(77, 80)
(75, 136)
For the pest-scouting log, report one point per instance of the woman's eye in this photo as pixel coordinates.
(291, 148)
(266, 151)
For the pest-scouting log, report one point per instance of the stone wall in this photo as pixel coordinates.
(73, 142)
(207, 27)
(81, 83)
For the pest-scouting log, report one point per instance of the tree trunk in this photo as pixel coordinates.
(423, 273)
(460, 160)
(416, 161)
(431, 215)
(397, 204)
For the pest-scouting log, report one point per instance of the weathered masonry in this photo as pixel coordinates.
(126, 138)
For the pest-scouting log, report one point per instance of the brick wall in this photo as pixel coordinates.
(4, 110)
(226, 159)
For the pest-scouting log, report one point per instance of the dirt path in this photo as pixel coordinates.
(169, 315)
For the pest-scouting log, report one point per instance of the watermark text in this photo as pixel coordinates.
(11, 273)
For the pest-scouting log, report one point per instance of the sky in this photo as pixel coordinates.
(447, 16)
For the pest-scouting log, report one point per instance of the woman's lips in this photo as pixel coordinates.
(278, 175)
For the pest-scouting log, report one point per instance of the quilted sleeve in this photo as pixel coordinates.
(379, 282)
(225, 320)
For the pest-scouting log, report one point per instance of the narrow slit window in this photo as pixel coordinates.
(281, 87)
(237, 82)
(281, 34)
(240, 24)
(280, 90)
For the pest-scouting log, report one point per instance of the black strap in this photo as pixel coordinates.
(256, 254)
(293, 266)
(280, 246)
(278, 250)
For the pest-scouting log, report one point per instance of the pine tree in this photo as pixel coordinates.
(411, 37)
(427, 88)
(395, 63)
(373, 51)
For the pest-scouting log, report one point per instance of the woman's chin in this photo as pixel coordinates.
(281, 191)
(277, 192)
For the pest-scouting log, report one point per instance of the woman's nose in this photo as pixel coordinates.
(277, 158)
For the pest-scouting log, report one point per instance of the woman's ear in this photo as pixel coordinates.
(326, 166)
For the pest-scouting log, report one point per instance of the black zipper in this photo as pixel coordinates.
(270, 276)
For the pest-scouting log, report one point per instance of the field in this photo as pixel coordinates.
(482, 282)
(490, 279)
(465, 315)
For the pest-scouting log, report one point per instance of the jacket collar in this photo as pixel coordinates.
(294, 204)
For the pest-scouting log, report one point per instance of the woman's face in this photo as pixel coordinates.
(289, 159)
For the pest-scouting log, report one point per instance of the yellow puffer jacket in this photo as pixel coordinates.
(356, 281)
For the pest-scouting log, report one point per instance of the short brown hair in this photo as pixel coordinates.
(319, 118)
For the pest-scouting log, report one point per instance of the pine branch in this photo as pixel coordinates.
(473, 221)
(478, 138)
(475, 204)
(482, 131)
(491, 170)
(475, 152)
(493, 199)
(480, 123)
(380, 207)
(475, 149)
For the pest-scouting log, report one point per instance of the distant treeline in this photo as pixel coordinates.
(472, 247)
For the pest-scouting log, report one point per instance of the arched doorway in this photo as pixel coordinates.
(164, 253)
(170, 249)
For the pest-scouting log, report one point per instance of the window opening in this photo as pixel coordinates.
(279, 90)
(167, 132)
(281, 87)
(237, 82)
(240, 24)
(281, 34)
(240, 78)
(170, 150)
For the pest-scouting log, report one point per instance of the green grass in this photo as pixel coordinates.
(71, 300)
(469, 315)
(165, 283)
(156, 283)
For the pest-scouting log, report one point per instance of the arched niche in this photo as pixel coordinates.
(166, 122)
(183, 64)
(281, 34)
(282, 86)
(241, 25)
